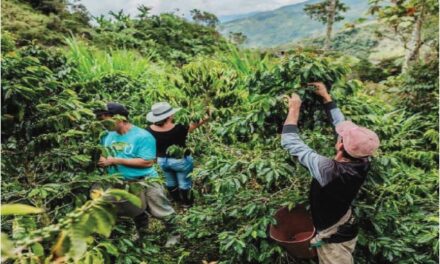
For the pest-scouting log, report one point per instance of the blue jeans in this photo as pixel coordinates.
(176, 171)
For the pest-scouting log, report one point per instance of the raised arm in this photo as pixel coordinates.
(194, 126)
(290, 140)
(333, 112)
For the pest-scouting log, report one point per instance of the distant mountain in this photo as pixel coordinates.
(224, 19)
(286, 24)
(360, 41)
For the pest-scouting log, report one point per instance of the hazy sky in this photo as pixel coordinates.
(218, 7)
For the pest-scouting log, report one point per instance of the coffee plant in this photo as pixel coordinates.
(242, 175)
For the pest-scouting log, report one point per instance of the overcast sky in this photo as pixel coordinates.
(218, 7)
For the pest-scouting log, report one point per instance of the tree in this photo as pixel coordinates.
(237, 37)
(407, 19)
(144, 11)
(204, 18)
(49, 6)
(80, 13)
(327, 12)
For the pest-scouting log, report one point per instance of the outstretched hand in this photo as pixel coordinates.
(294, 106)
(294, 102)
(105, 162)
(321, 90)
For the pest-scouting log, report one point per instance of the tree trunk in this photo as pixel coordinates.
(412, 53)
(331, 10)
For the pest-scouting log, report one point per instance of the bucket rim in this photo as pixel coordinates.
(292, 241)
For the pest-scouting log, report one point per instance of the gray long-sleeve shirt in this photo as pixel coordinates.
(335, 184)
(315, 163)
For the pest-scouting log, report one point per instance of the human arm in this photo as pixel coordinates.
(291, 141)
(135, 162)
(143, 155)
(293, 113)
(194, 126)
(333, 112)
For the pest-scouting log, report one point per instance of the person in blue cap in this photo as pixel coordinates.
(133, 156)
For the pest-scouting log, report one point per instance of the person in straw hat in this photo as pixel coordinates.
(133, 155)
(167, 134)
(336, 181)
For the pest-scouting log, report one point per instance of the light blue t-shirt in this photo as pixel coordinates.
(136, 143)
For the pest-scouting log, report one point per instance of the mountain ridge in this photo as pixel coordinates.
(287, 24)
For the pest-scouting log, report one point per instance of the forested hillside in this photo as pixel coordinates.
(57, 68)
(287, 24)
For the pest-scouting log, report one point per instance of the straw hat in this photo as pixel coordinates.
(161, 111)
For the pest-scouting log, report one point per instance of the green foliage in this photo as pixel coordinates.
(418, 90)
(176, 151)
(19, 209)
(287, 24)
(47, 22)
(51, 134)
(242, 175)
(358, 41)
(72, 233)
(8, 42)
(41, 114)
(245, 62)
(406, 18)
(319, 11)
(49, 6)
(237, 38)
(92, 63)
(167, 36)
(205, 18)
(293, 75)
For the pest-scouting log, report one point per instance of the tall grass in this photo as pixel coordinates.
(93, 63)
(246, 62)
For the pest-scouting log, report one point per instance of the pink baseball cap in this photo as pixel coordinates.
(358, 141)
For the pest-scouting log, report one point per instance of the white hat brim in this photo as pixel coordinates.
(153, 119)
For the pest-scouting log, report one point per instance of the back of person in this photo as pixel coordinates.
(336, 181)
(176, 165)
(329, 203)
(175, 136)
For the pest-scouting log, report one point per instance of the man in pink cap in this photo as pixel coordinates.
(336, 181)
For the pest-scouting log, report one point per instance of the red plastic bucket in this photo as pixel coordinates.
(293, 231)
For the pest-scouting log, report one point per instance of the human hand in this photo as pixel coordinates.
(294, 106)
(294, 102)
(105, 162)
(321, 90)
